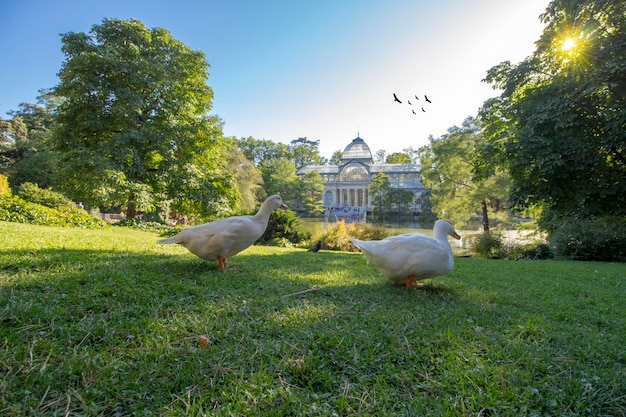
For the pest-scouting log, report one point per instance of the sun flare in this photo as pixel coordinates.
(568, 44)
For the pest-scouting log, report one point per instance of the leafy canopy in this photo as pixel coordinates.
(449, 171)
(558, 126)
(133, 126)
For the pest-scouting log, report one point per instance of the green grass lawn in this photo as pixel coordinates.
(109, 323)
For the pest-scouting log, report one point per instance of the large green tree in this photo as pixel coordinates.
(133, 127)
(559, 125)
(449, 171)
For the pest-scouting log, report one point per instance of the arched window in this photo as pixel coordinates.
(354, 173)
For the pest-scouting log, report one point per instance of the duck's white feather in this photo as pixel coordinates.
(411, 254)
(226, 237)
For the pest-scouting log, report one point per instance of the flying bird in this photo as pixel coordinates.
(395, 98)
(423, 110)
(426, 97)
(416, 97)
(413, 111)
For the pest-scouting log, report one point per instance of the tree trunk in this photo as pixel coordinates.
(132, 208)
(485, 217)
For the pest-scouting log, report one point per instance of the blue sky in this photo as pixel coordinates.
(324, 69)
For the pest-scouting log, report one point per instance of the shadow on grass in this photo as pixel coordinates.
(139, 318)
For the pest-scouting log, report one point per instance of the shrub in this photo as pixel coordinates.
(487, 246)
(31, 192)
(146, 226)
(4, 185)
(595, 239)
(283, 226)
(15, 209)
(336, 236)
(539, 251)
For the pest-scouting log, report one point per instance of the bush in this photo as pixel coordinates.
(147, 226)
(539, 251)
(595, 239)
(336, 236)
(487, 246)
(4, 185)
(283, 227)
(31, 192)
(15, 209)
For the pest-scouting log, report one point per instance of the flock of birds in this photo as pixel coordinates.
(405, 258)
(397, 100)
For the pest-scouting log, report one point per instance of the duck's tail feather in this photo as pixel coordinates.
(170, 240)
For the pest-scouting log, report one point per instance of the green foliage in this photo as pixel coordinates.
(46, 197)
(540, 251)
(398, 158)
(449, 170)
(379, 189)
(32, 158)
(595, 239)
(146, 226)
(283, 229)
(4, 186)
(558, 127)
(487, 245)
(15, 209)
(336, 235)
(134, 126)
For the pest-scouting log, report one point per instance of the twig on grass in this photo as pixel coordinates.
(301, 292)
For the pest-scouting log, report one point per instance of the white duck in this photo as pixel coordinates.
(413, 256)
(221, 239)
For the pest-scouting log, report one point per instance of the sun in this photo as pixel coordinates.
(568, 44)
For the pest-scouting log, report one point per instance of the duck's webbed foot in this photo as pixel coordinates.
(409, 281)
(221, 263)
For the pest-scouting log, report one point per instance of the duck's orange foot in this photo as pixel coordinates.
(409, 281)
(221, 264)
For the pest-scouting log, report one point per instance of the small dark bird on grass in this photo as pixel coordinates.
(426, 97)
(395, 98)
(315, 247)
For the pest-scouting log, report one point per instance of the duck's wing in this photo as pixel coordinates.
(399, 256)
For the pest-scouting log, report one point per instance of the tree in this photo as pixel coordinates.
(379, 189)
(279, 177)
(379, 156)
(35, 159)
(261, 150)
(133, 125)
(305, 152)
(335, 159)
(248, 177)
(448, 169)
(398, 158)
(311, 187)
(558, 126)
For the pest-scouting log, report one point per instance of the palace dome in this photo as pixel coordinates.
(357, 150)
